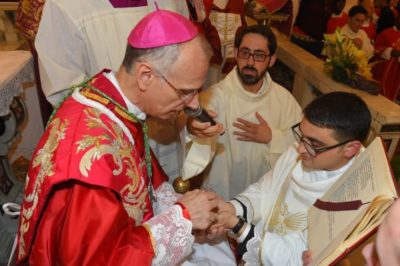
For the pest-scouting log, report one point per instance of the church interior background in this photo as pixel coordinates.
(21, 127)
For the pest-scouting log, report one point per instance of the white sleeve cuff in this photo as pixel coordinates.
(244, 234)
(238, 208)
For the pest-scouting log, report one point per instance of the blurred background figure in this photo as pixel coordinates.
(387, 69)
(387, 15)
(352, 30)
(369, 24)
(311, 24)
(338, 18)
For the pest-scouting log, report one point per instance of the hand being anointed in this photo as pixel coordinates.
(201, 206)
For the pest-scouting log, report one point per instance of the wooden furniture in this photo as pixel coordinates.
(310, 80)
(8, 5)
(6, 22)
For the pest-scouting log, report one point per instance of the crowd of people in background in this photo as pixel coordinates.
(369, 24)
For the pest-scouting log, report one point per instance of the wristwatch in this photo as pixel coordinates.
(236, 229)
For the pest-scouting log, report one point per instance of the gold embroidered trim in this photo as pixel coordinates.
(113, 143)
(44, 160)
(124, 114)
(283, 189)
(95, 97)
(105, 101)
(283, 221)
(153, 241)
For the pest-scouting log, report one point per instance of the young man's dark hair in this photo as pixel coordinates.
(357, 10)
(261, 30)
(345, 113)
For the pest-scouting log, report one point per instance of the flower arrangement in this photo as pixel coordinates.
(348, 64)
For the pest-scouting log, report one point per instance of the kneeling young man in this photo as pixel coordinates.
(269, 219)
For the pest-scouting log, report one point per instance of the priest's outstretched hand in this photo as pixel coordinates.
(256, 132)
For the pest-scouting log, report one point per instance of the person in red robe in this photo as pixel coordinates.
(387, 47)
(310, 25)
(199, 12)
(387, 17)
(338, 18)
(369, 26)
(95, 194)
(387, 43)
(219, 21)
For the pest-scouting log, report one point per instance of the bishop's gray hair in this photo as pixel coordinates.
(163, 58)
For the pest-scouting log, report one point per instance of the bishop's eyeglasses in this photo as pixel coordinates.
(311, 149)
(186, 95)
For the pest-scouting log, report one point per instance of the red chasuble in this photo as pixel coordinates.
(211, 33)
(387, 38)
(86, 194)
(370, 30)
(336, 22)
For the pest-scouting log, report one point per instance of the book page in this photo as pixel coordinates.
(368, 177)
(370, 220)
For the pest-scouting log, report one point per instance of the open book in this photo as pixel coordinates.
(351, 210)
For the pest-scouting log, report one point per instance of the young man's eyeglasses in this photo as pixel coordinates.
(258, 56)
(186, 95)
(313, 151)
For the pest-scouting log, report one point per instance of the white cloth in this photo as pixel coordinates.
(367, 47)
(238, 164)
(77, 39)
(279, 209)
(213, 253)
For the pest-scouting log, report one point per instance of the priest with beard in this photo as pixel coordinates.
(256, 112)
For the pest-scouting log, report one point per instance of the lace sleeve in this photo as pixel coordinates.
(166, 196)
(251, 256)
(172, 236)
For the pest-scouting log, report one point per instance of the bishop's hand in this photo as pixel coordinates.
(204, 130)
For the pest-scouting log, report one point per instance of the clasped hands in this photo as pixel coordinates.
(210, 215)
